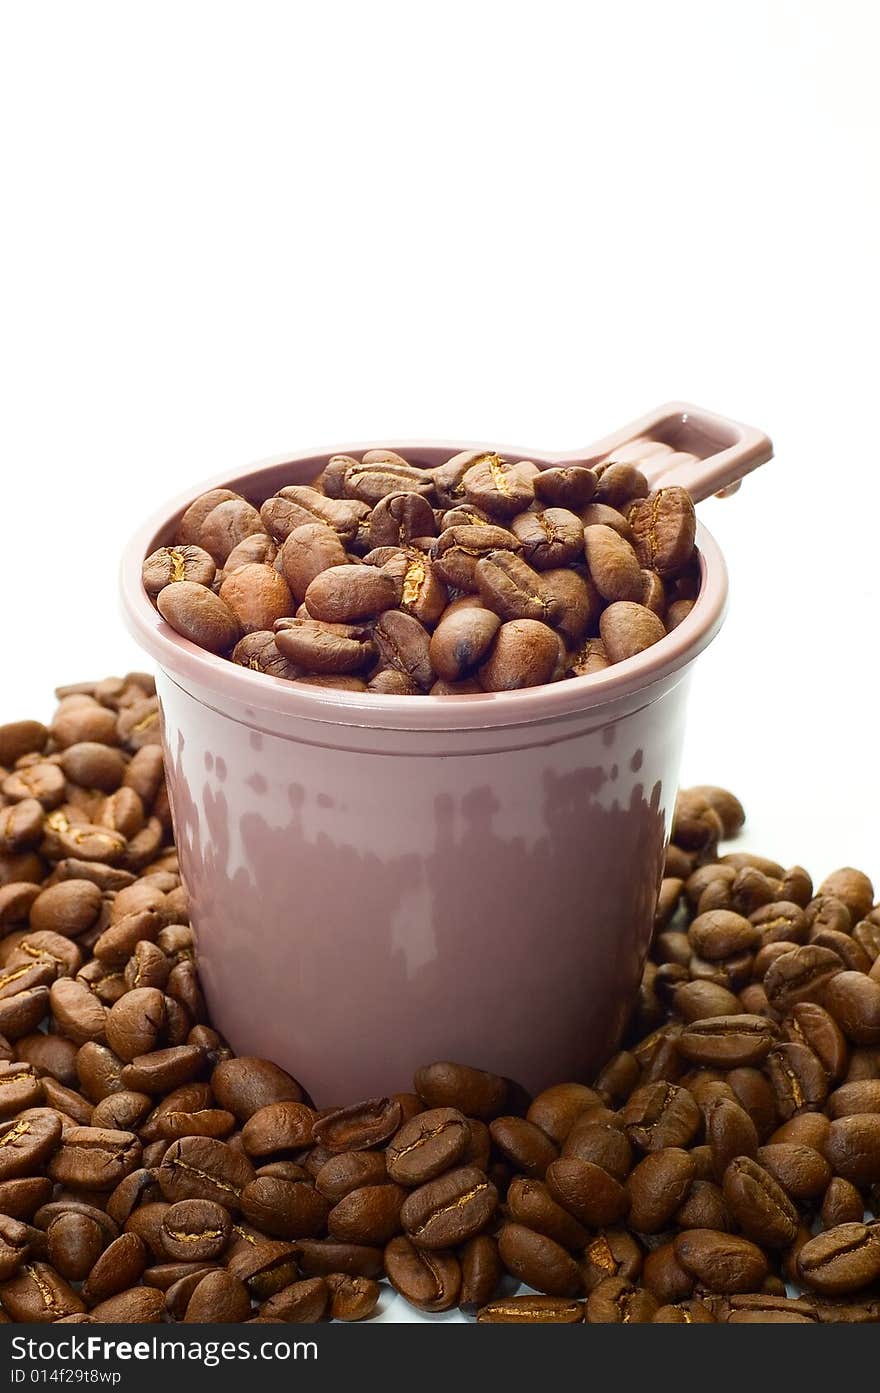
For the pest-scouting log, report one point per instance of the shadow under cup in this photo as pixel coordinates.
(378, 882)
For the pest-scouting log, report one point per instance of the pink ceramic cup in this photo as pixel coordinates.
(380, 881)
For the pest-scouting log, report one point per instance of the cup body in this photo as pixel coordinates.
(378, 882)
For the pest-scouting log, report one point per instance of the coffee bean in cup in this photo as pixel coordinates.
(386, 575)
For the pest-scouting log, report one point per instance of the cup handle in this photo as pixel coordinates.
(682, 444)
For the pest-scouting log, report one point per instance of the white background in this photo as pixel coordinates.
(230, 230)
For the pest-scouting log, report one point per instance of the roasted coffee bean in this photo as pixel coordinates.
(549, 539)
(727, 1042)
(362, 1125)
(798, 1079)
(190, 527)
(169, 565)
(854, 1000)
(219, 1297)
(721, 934)
(481, 1271)
(204, 1169)
(587, 1191)
(612, 1253)
(197, 614)
(800, 975)
(841, 1260)
(450, 1209)
(531, 1310)
(318, 1257)
(526, 653)
(660, 1115)
(245, 1084)
(370, 1214)
(758, 1203)
(841, 1204)
(27, 1143)
(257, 595)
(352, 1298)
(627, 628)
(721, 1262)
(802, 1171)
(663, 527)
(526, 1147)
(349, 1171)
(94, 1158)
(430, 1143)
(538, 1261)
(509, 585)
(474, 1092)
(403, 643)
(37, 1295)
(195, 1230)
(616, 1302)
(429, 1280)
(811, 1025)
(119, 1266)
(502, 487)
(346, 594)
(75, 1244)
(613, 566)
(325, 648)
(657, 1187)
(852, 888)
(603, 1143)
(853, 1148)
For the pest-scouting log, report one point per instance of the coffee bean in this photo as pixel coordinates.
(325, 648)
(526, 1147)
(603, 1143)
(202, 1168)
(245, 1084)
(169, 565)
(94, 1158)
(664, 527)
(502, 487)
(549, 539)
(660, 1115)
(854, 1000)
(430, 1281)
(318, 1257)
(587, 1191)
(403, 643)
(657, 1187)
(721, 1262)
(727, 1042)
(352, 1298)
(531, 1310)
(219, 1297)
(345, 594)
(614, 568)
(841, 1260)
(627, 628)
(617, 1302)
(118, 1267)
(197, 614)
(351, 1170)
(363, 1125)
(538, 1261)
(841, 1204)
(526, 653)
(565, 486)
(481, 1271)
(853, 1148)
(430, 1143)
(195, 1230)
(450, 1209)
(801, 1170)
(797, 1077)
(37, 1294)
(370, 1214)
(758, 1203)
(474, 1092)
(852, 888)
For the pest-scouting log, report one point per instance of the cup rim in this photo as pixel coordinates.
(226, 682)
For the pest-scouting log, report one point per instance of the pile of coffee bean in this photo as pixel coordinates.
(727, 1157)
(482, 574)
